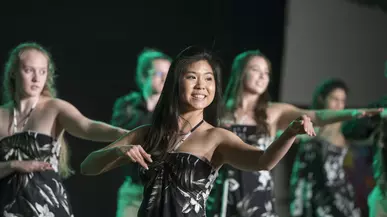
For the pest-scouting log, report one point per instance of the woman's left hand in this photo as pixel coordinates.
(302, 125)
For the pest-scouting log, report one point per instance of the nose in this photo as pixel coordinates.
(200, 84)
(35, 77)
(261, 75)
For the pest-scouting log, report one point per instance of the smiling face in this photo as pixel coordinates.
(256, 77)
(197, 86)
(336, 99)
(32, 74)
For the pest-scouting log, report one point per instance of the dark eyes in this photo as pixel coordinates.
(190, 77)
(30, 70)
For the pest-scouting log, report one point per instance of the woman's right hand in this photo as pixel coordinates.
(30, 166)
(136, 154)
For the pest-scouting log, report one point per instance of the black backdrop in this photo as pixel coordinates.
(95, 51)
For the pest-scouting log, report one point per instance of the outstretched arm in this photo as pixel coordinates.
(120, 152)
(80, 126)
(234, 151)
(321, 117)
(299, 138)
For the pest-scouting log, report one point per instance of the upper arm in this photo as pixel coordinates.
(133, 137)
(289, 112)
(235, 152)
(71, 119)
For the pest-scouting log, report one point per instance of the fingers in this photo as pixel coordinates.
(145, 155)
(372, 112)
(307, 126)
(369, 112)
(136, 156)
(47, 166)
(40, 166)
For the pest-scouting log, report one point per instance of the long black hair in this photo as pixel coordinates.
(324, 89)
(163, 132)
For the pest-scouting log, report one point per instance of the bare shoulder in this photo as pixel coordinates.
(220, 135)
(279, 105)
(276, 109)
(56, 102)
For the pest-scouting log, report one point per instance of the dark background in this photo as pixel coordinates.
(95, 50)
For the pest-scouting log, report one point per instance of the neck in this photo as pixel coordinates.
(188, 120)
(151, 101)
(248, 101)
(24, 104)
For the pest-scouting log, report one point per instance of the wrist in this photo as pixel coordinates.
(121, 150)
(355, 113)
(12, 164)
(289, 132)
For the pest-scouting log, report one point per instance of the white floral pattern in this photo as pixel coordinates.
(178, 186)
(249, 194)
(318, 184)
(39, 194)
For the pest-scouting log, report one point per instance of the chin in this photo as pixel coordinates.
(33, 93)
(197, 106)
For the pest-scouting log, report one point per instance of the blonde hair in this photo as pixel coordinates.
(12, 66)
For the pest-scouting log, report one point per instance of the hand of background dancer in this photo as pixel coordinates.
(136, 153)
(30, 166)
(302, 125)
(367, 112)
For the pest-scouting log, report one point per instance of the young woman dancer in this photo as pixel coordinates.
(255, 119)
(181, 152)
(33, 155)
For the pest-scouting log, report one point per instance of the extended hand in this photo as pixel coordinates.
(367, 112)
(136, 153)
(30, 166)
(301, 125)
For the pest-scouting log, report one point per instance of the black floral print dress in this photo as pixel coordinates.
(318, 184)
(37, 194)
(178, 186)
(238, 193)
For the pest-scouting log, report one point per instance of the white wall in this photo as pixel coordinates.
(330, 38)
(334, 38)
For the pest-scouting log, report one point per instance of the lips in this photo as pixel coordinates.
(34, 87)
(198, 96)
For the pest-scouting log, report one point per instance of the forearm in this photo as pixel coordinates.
(6, 169)
(324, 117)
(102, 132)
(276, 151)
(102, 161)
(384, 113)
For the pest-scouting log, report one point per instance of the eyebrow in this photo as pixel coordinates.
(211, 73)
(25, 65)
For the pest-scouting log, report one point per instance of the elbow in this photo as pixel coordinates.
(88, 169)
(265, 166)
